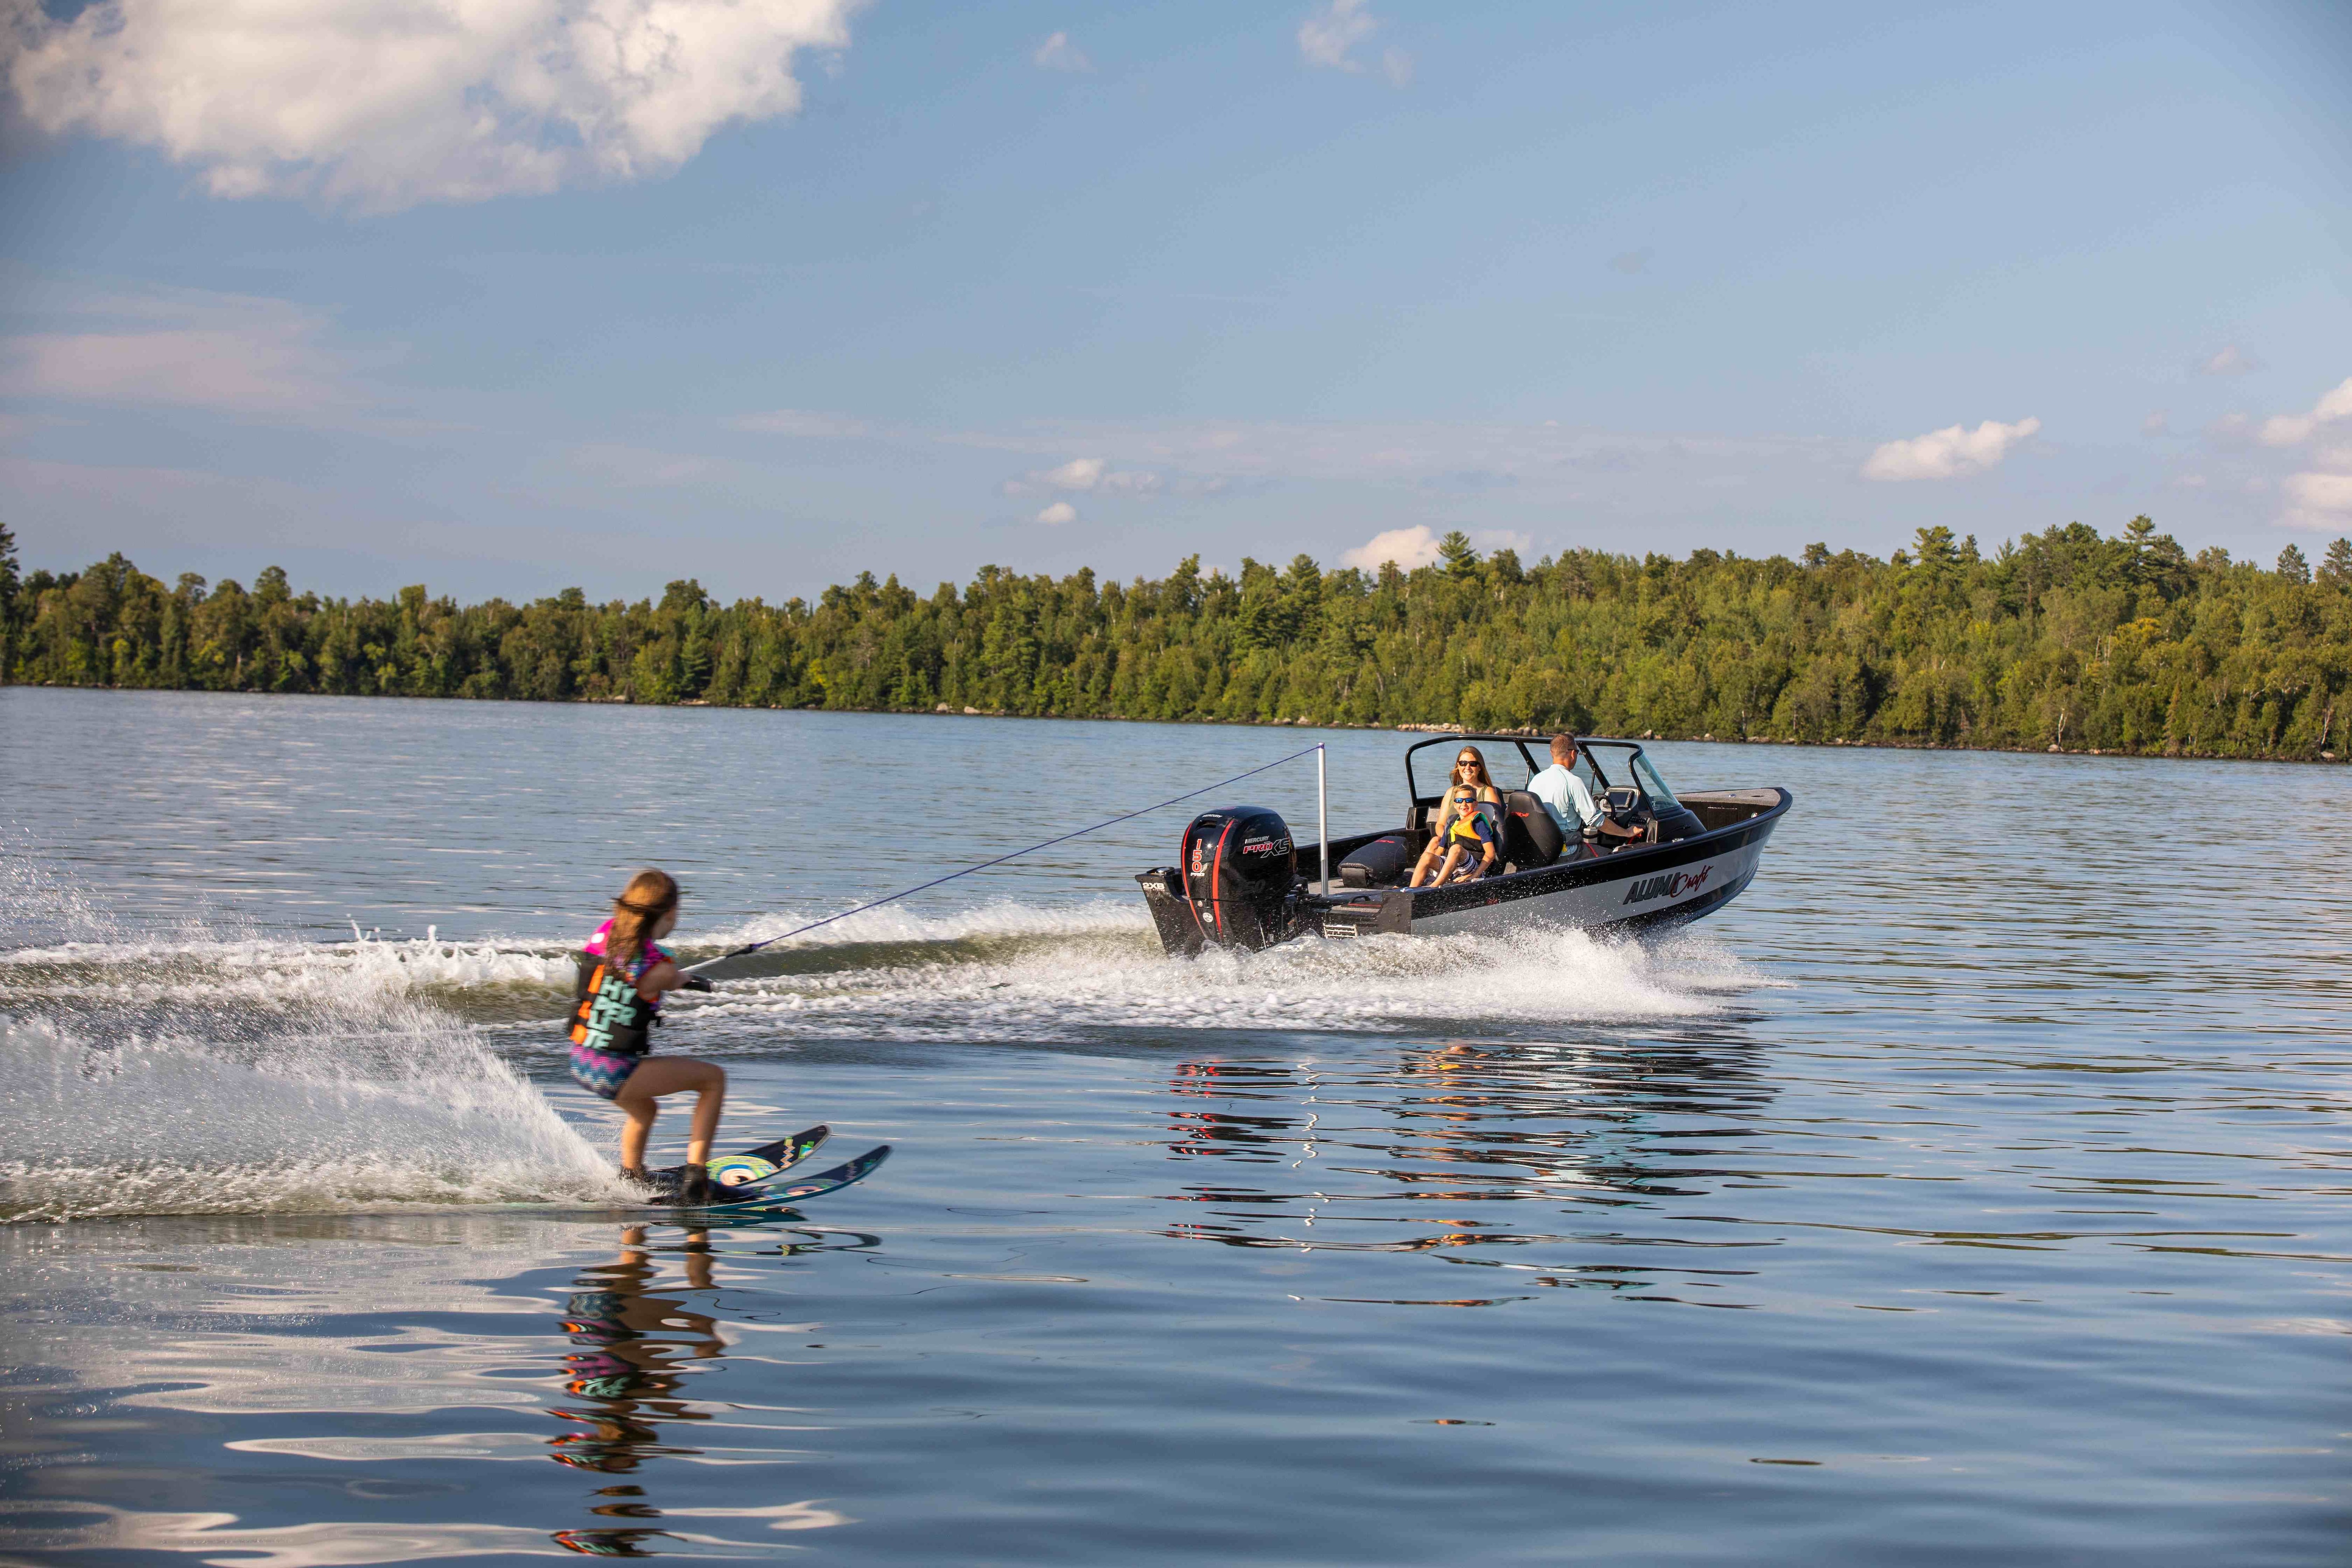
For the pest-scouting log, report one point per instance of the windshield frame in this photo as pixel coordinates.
(1635, 762)
(1415, 799)
(1589, 752)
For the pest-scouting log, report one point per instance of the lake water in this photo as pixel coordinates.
(1972, 1190)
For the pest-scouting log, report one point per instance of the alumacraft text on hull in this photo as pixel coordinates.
(1245, 882)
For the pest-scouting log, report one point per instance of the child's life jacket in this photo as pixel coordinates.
(607, 1013)
(1471, 827)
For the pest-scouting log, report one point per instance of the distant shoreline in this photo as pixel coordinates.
(2065, 639)
(2324, 759)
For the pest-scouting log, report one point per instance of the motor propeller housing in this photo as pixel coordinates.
(1238, 878)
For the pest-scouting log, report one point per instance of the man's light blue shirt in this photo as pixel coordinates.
(1565, 796)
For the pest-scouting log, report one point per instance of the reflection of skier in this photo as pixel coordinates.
(608, 1543)
(623, 970)
(626, 1357)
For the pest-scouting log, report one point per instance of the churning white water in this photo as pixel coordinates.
(199, 1074)
(193, 1076)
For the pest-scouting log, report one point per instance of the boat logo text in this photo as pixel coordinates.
(1671, 884)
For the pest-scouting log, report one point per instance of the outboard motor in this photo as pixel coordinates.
(1236, 885)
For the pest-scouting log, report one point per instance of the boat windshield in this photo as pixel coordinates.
(1661, 797)
(1429, 770)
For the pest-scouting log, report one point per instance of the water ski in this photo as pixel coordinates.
(759, 1164)
(770, 1192)
(831, 1181)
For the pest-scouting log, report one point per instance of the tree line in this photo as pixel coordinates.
(2062, 639)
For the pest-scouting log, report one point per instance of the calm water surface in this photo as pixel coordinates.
(1972, 1190)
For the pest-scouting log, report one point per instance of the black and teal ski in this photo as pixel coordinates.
(831, 1181)
(768, 1160)
(764, 1190)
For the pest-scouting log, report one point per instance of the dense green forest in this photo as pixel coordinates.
(2062, 638)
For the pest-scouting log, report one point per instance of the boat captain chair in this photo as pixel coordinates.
(1530, 837)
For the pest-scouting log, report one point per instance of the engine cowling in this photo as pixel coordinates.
(1239, 876)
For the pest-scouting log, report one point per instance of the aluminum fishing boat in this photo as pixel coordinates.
(1242, 880)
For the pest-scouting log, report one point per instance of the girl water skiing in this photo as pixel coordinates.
(624, 971)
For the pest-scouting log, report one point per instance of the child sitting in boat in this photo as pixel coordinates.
(1468, 831)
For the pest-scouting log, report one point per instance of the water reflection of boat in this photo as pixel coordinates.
(1420, 1157)
(1244, 880)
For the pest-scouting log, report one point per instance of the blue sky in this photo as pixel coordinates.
(608, 292)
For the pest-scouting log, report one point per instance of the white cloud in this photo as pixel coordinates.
(1061, 511)
(1417, 546)
(1326, 36)
(1058, 54)
(1408, 547)
(805, 423)
(1085, 476)
(227, 353)
(2322, 502)
(2321, 496)
(1948, 453)
(2294, 429)
(387, 103)
(2230, 360)
(1078, 474)
(2157, 424)
(1396, 66)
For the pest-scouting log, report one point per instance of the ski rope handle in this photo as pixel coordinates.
(1001, 859)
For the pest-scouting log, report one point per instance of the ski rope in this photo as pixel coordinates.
(1001, 859)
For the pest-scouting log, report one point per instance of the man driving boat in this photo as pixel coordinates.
(1572, 806)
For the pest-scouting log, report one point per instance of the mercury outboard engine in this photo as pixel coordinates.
(1236, 886)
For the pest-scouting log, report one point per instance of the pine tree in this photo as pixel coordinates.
(1455, 551)
(9, 584)
(2291, 567)
(2335, 570)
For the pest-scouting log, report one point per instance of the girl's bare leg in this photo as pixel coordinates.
(658, 1076)
(634, 1131)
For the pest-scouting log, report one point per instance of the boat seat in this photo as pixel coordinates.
(1530, 837)
(1382, 863)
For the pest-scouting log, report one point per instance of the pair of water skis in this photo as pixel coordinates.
(751, 1180)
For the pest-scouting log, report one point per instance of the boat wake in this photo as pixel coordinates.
(193, 1076)
(126, 1124)
(203, 1073)
(1110, 980)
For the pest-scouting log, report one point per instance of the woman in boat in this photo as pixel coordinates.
(1470, 772)
(624, 972)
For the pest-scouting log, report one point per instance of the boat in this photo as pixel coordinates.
(1244, 880)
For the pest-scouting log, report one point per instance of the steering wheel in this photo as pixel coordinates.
(1625, 809)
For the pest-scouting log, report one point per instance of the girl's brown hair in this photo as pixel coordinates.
(649, 896)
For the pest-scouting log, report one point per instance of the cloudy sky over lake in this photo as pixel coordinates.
(524, 293)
